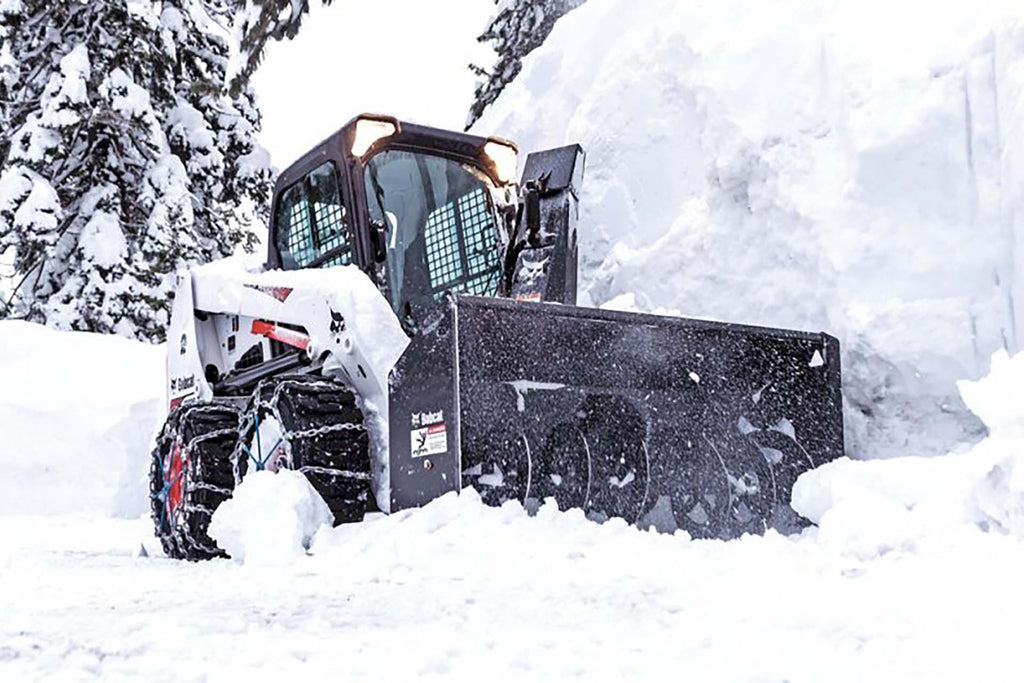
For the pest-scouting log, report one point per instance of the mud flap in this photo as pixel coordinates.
(665, 422)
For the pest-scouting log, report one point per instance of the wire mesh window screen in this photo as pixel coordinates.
(293, 228)
(443, 257)
(311, 221)
(329, 214)
(461, 245)
(481, 244)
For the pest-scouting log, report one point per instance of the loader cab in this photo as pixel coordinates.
(422, 211)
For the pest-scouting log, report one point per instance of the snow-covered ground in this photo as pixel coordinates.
(458, 592)
(912, 574)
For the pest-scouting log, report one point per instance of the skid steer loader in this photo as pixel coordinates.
(414, 332)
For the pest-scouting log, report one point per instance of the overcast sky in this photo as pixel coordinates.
(401, 57)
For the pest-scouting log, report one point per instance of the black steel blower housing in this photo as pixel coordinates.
(664, 422)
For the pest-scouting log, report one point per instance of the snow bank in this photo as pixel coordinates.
(866, 508)
(270, 519)
(77, 412)
(851, 167)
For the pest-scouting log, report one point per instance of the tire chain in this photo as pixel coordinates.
(185, 454)
(248, 422)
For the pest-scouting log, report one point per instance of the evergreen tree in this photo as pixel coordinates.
(520, 27)
(259, 21)
(123, 159)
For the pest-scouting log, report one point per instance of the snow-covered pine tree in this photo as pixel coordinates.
(259, 21)
(520, 27)
(11, 15)
(123, 158)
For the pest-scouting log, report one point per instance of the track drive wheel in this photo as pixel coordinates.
(311, 424)
(190, 475)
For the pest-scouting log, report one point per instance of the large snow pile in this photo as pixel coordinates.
(77, 414)
(850, 167)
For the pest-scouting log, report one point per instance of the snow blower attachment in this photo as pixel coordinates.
(667, 422)
(439, 358)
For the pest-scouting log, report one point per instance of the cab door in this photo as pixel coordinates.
(312, 225)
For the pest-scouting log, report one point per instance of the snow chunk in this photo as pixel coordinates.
(75, 68)
(41, 210)
(270, 519)
(128, 98)
(869, 507)
(998, 498)
(998, 398)
(102, 241)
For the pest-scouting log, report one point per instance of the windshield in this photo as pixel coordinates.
(440, 228)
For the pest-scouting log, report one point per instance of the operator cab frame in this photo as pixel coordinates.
(330, 202)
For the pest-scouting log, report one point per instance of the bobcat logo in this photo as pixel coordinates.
(337, 322)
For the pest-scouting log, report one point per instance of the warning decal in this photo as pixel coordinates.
(429, 440)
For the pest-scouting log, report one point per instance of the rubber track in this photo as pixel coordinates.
(207, 433)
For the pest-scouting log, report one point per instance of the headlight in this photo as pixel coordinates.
(369, 131)
(504, 157)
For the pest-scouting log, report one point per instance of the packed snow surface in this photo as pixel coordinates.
(852, 167)
(456, 589)
(912, 574)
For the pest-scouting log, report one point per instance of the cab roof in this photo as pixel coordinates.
(407, 136)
